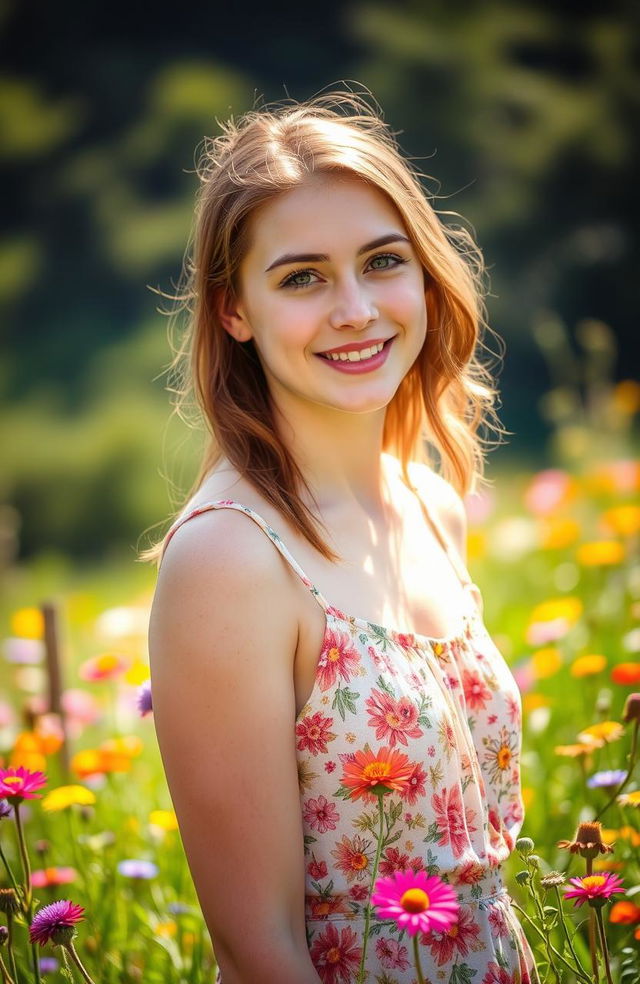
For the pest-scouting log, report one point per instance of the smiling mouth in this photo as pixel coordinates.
(360, 356)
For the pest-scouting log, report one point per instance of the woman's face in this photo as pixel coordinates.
(330, 267)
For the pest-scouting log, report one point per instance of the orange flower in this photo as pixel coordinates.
(531, 702)
(626, 397)
(623, 520)
(573, 751)
(546, 662)
(387, 771)
(588, 665)
(94, 761)
(625, 912)
(626, 673)
(557, 532)
(600, 553)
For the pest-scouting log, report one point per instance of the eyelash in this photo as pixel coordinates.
(288, 281)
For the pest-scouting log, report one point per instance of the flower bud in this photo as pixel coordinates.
(631, 708)
(4, 935)
(9, 901)
(524, 845)
(63, 934)
(534, 861)
(522, 877)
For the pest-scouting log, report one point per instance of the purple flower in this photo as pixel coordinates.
(145, 704)
(179, 908)
(5, 810)
(612, 777)
(48, 965)
(51, 919)
(137, 868)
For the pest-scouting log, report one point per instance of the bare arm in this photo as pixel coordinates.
(222, 640)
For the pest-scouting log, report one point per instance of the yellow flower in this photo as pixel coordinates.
(557, 532)
(626, 397)
(588, 665)
(165, 819)
(630, 799)
(137, 673)
(569, 608)
(602, 732)
(623, 520)
(573, 751)
(129, 745)
(609, 835)
(600, 553)
(546, 662)
(476, 545)
(28, 623)
(64, 796)
(531, 702)
(630, 834)
(167, 928)
(527, 796)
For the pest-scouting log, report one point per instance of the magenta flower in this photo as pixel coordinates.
(18, 784)
(417, 901)
(600, 886)
(49, 920)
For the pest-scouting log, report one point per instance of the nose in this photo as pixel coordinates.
(353, 307)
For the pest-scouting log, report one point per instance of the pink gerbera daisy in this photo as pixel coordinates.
(601, 886)
(417, 901)
(19, 783)
(51, 919)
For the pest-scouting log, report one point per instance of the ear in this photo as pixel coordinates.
(232, 316)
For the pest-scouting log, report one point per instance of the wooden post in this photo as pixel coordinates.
(54, 677)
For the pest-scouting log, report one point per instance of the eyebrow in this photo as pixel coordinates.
(392, 237)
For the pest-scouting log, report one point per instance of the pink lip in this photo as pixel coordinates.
(355, 368)
(353, 346)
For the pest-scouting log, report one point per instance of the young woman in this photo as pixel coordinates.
(328, 703)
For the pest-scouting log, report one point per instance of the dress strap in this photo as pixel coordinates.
(262, 523)
(447, 546)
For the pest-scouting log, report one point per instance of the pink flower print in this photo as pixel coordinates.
(500, 975)
(406, 639)
(329, 767)
(470, 873)
(353, 856)
(394, 720)
(492, 719)
(476, 693)
(336, 955)
(358, 893)
(320, 814)
(317, 869)
(339, 657)
(431, 751)
(454, 825)
(513, 709)
(313, 733)
(415, 785)
(455, 941)
(392, 954)
(498, 921)
(392, 861)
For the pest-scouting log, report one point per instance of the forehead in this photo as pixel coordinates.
(342, 209)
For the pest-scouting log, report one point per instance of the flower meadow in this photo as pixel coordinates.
(94, 884)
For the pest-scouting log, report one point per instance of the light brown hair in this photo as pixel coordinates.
(448, 394)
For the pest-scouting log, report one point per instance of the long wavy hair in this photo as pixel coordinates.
(446, 397)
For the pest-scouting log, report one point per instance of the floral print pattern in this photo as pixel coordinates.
(408, 757)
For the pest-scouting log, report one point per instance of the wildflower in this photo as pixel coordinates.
(4, 935)
(5, 810)
(144, 701)
(55, 922)
(377, 774)
(103, 667)
(630, 799)
(594, 889)
(19, 783)
(600, 553)
(623, 520)
(573, 751)
(524, 845)
(552, 879)
(23, 652)
(65, 796)
(558, 532)
(611, 777)
(137, 673)
(548, 490)
(94, 761)
(28, 623)
(625, 912)
(546, 662)
(48, 965)
(164, 819)
(9, 901)
(602, 732)
(137, 868)
(53, 876)
(631, 708)
(588, 665)
(416, 901)
(626, 674)
(588, 841)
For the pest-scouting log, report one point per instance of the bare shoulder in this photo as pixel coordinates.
(447, 502)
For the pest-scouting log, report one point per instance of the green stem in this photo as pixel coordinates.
(10, 873)
(416, 957)
(6, 976)
(557, 953)
(72, 952)
(603, 944)
(367, 917)
(12, 957)
(632, 762)
(24, 856)
(566, 930)
(543, 924)
(592, 932)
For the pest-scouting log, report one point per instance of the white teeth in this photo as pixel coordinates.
(366, 353)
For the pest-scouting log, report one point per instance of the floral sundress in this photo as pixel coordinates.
(449, 710)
